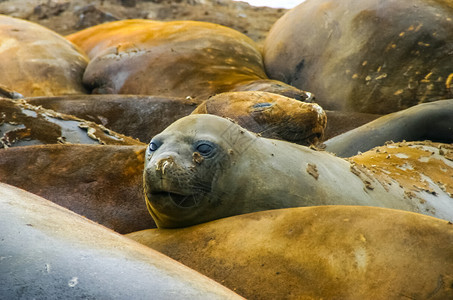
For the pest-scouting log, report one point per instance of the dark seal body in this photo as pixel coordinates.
(137, 116)
(368, 56)
(428, 121)
(102, 183)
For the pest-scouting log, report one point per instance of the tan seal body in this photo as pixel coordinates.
(368, 56)
(204, 167)
(22, 124)
(37, 61)
(270, 115)
(176, 59)
(324, 252)
(100, 182)
(49, 252)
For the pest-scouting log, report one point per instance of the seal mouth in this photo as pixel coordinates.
(183, 201)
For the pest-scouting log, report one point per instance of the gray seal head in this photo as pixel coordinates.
(186, 178)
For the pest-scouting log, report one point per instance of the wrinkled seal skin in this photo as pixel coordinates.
(173, 59)
(140, 117)
(429, 121)
(49, 252)
(270, 115)
(367, 56)
(324, 252)
(37, 61)
(204, 167)
(22, 124)
(100, 182)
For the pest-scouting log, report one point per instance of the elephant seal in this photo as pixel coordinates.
(102, 183)
(270, 115)
(323, 252)
(204, 167)
(173, 59)
(366, 56)
(22, 124)
(428, 121)
(48, 252)
(37, 61)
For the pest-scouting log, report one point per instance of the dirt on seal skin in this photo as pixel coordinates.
(65, 16)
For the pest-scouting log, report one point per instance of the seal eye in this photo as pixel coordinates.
(262, 105)
(205, 148)
(153, 146)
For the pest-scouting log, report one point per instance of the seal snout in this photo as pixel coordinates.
(165, 174)
(164, 163)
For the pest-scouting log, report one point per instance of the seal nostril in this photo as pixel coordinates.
(163, 163)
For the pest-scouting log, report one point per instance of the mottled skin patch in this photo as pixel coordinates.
(312, 170)
(24, 124)
(420, 159)
(324, 252)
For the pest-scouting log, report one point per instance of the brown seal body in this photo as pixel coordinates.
(37, 61)
(100, 182)
(173, 59)
(368, 56)
(137, 116)
(22, 124)
(324, 252)
(270, 115)
(49, 252)
(342, 121)
(204, 167)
